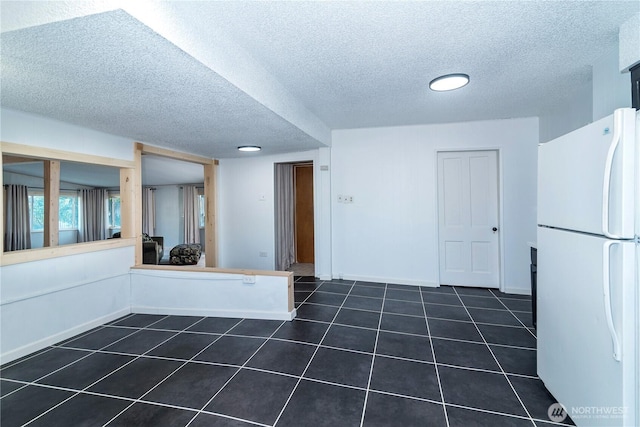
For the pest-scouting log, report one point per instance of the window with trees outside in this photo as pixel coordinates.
(68, 210)
(201, 210)
(114, 210)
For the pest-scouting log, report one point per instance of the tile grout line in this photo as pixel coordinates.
(521, 322)
(413, 302)
(346, 350)
(373, 359)
(240, 368)
(504, 374)
(295, 387)
(129, 399)
(139, 399)
(488, 411)
(91, 353)
(367, 390)
(237, 370)
(435, 362)
(70, 339)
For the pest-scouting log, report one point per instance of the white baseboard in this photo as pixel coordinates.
(265, 315)
(517, 291)
(389, 280)
(61, 336)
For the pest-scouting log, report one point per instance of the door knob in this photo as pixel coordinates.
(494, 229)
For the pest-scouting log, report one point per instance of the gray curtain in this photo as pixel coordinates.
(190, 205)
(17, 229)
(284, 211)
(93, 215)
(149, 211)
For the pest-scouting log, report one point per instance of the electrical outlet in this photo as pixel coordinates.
(349, 199)
(248, 279)
(340, 198)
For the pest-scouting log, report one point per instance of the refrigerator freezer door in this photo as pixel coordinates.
(586, 325)
(587, 177)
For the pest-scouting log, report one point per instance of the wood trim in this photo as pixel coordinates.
(193, 268)
(8, 159)
(30, 255)
(51, 203)
(291, 305)
(136, 206)
(127, 201)
(210, 230)
(52, 154)
(210, 185)
(196, 269)
(177, 155)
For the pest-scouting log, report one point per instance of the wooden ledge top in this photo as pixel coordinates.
(193, 268)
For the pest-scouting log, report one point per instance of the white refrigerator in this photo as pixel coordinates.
(588, 298)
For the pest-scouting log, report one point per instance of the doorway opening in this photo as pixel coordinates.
(294, 218)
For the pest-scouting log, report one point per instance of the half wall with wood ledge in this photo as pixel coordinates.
(197, 291)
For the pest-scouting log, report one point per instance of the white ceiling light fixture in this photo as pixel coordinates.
(249, 148)
(449, 82)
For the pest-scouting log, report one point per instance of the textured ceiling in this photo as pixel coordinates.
(111, 73)
(205, 77)
(368, 64)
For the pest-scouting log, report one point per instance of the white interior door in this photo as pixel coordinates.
(468, 218)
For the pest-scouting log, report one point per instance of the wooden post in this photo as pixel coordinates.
(127, 202)
(51, 202)
(210, 231)
(136, 202)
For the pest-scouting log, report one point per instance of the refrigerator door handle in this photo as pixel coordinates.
(606, 288)
(617, 126)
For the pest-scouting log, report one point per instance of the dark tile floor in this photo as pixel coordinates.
(358, 354)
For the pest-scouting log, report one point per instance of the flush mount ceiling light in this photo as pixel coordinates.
(449, 82)
(249, 148)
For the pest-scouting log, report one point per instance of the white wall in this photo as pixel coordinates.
(629, 41)
(46, 301)
(608, 89)
(246, 222)
(611, 88)
(199, 293)
(389, 232)
(168, 216)
(30, 129)
(576, 112)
